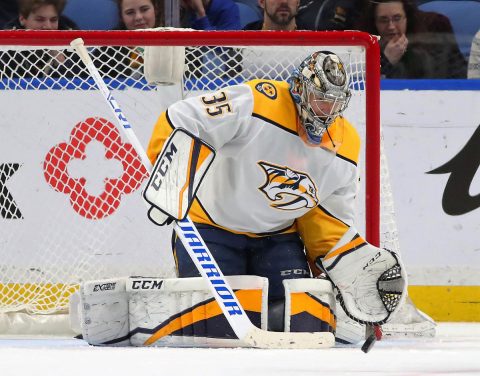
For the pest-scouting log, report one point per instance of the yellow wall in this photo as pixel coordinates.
(448, 303)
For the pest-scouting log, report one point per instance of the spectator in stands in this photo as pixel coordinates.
(438, 38)
(408, 48)
(277, 15)
(306, 15)
(474, 61)
(139, 14)
(40, 15)
(401, 55)
(124, 61)
(328, 15)
(8, 11)
(210, 14)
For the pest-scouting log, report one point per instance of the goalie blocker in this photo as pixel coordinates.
(182, 312)
(176, 176)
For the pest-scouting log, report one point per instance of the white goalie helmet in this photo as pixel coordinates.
(320, 89)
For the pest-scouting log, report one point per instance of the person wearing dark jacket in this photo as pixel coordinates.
(40, 15)
(328, 15)
(277, 15)
(211, 14)
(127, 61)
(410, 47)
(8, 11)
(40, 63)
(306, 15)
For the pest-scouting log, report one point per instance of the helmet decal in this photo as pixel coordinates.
(334, 70)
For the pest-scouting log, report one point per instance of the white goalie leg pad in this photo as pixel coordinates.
(99, 311)
(309, 305)
(182, 312)
(372, 281)
(409, 322)
(347, 331)
(177, 173)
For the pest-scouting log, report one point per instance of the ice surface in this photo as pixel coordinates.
(454, 351)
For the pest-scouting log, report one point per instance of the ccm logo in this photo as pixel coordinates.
(163, 165)
(105, 286)
(147, 284)
(302, 272)
(372, 260)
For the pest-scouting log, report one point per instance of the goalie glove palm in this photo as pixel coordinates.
(371, 281)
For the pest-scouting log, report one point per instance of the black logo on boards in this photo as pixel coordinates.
(457, 199)
(8, 206)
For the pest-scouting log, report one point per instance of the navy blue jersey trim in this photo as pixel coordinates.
(346, 159)
(269, 121)
(331, 215)
(206, 213)
(169, 121)
(339, 257)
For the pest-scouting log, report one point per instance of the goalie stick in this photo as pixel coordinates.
(201, 255)
(374, 334)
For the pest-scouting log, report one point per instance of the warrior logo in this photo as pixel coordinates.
(289, 189)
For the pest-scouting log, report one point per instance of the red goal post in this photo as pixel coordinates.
(87, 226)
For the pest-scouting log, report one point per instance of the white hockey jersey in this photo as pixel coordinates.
(265, 180)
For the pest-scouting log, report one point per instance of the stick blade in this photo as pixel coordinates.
(286, 340)
(374, 334)
(367, 346)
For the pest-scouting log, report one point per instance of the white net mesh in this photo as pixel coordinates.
(70, 183)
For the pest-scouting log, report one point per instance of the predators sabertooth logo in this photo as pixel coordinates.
(289, 189)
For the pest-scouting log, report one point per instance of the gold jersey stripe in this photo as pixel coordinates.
(347, 247)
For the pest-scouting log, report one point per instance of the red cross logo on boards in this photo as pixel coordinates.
(104, 202)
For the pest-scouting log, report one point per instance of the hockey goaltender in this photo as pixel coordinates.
(267, 172)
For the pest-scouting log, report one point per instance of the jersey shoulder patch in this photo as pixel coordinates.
(267, 88)
(273, 103)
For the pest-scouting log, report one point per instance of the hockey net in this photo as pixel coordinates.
(70, 183)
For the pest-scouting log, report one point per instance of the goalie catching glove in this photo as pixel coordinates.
(371, 281)
(176, 176)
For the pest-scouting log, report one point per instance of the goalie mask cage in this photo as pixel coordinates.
(70, 183)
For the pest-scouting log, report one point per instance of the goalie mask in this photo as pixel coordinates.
(319, 87)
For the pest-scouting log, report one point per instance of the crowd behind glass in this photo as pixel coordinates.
(415, 42)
